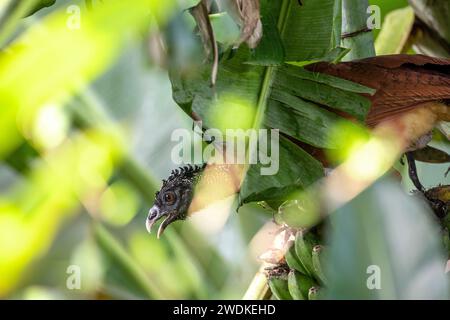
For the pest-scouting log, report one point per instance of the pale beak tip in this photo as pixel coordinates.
(160, 231)
(148, 226)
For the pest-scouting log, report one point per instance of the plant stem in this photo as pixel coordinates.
(258, 288)
(355, 33)
(122, 260)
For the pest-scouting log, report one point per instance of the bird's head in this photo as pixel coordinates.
(173, 200)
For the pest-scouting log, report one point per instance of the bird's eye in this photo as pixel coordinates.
(169, 198)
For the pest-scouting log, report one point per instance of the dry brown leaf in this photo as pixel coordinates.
(246, 13)
(201, 15)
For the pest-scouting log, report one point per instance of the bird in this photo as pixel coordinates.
(403, 83)
(412, 95)
(172, 201)
(175, 200)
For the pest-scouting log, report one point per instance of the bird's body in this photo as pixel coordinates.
(402, 82)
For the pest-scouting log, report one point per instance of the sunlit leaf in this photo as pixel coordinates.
(31, 78)
(391, 41)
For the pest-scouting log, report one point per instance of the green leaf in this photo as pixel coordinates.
(40, 5)
(332, 81)
(354, 30)
(300, 119)
(278, 96)
(303, 171)
(385, 7)
(226, 31)
(333, 56)
(186, 4)
(242, 81)
(337, 24)
(349, 102)
(311, 31)
(388, 235)
(435, 14)
(270, 51)
(336, 55)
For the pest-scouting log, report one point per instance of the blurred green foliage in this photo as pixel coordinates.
(388, 234)
(79, 156)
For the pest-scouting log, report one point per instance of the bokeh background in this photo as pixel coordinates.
(85, 130)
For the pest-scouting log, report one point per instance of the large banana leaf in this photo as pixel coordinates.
(280, 95)
(384, 245)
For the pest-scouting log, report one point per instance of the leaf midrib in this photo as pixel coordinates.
(269, 71)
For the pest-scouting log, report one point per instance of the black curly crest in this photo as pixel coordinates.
(183, 175)
(186, 172)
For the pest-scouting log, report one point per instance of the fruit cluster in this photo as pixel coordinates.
(300, 275)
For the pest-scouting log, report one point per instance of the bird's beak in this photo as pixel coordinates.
(153, 216)
(171, 218)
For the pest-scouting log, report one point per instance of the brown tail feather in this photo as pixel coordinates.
(403, 82)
